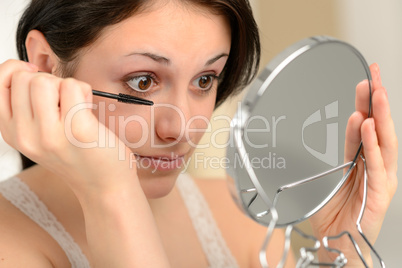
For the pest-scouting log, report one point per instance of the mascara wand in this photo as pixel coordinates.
(123, 98)
(120, 97)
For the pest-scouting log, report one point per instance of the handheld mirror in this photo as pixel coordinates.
(288, 133)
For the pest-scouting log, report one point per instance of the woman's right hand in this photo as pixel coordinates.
(50, 120)
(34, 109)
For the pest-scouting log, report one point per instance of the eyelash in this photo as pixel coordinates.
(155, 81)
(132, 77)
(214, 78)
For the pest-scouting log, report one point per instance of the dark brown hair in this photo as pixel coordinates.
(71, 25)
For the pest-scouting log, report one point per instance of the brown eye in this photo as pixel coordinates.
(204, 82)
(141, 83)
(144, 83)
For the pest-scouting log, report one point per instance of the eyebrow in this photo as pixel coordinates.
(152, 56)
(166, 61)
(215, 59)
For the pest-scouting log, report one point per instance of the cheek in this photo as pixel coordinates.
(134, 130)
(196, 128)
(198, 124)
(125, 122)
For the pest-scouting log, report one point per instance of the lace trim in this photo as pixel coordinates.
(19, 194)
(212, 242)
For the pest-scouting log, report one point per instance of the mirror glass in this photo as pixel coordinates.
(290, 128)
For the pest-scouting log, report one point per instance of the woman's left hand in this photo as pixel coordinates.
(380, 149)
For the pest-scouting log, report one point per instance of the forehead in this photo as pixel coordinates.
(169, 28)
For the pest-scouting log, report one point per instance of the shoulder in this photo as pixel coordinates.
(20, 236)
(242, 234)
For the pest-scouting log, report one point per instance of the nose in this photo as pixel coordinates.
(171, 121)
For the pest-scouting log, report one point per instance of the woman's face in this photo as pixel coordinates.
(171, 55)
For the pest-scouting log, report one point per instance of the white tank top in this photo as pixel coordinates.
(212, 242)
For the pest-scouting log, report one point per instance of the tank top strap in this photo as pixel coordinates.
(209, 235)
(21, 196)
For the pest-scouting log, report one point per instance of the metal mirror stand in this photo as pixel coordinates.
(258, 191)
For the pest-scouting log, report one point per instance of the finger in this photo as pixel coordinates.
(21, 98)
(45, 103)
(375, 77)
(72, 93)
(7, 69)
(385, 129)
(76, 112)
(372, 153)
(353, 136)
(362, 101)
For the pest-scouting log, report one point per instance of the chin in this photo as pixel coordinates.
(158, 184)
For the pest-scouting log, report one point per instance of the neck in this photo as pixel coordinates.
(48, 186)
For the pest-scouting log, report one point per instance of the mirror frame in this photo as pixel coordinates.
(258, 88)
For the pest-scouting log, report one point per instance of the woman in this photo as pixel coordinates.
(107, 172)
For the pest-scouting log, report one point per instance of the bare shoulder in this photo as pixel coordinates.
(243, 235)
(23, 243)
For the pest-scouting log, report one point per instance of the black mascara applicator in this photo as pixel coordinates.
(120, 97)
(123, 98)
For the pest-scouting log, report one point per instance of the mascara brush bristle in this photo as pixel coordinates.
(131, 99)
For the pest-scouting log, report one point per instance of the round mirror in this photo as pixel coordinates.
(289, 131)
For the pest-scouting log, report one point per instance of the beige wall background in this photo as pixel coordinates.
(373, 27)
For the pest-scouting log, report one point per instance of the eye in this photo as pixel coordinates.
(141, 83)
(204, 82)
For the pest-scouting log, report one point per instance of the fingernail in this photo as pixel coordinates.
(378, 74)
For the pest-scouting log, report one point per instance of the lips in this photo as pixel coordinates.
(160, 163)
